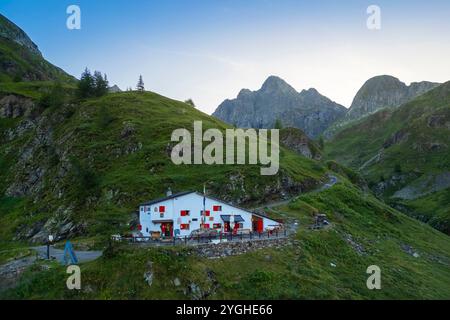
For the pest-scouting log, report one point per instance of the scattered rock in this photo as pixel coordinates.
(355, 245)
(194, 292)
(148, 276)
(176, 282)
(410, 250)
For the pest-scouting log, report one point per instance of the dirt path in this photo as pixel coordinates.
(331, 182)
(58, 254)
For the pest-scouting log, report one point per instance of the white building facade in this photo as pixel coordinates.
(179, 214)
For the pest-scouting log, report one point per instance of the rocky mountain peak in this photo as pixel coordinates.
(277, 100)
(244, 93)
(10, 31)
(274, 84)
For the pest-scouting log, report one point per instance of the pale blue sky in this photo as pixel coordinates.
(208, 50)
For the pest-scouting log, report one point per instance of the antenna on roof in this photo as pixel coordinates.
(169, 192)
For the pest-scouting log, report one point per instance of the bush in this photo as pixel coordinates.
(55, 98)
(87, 183)
(104, 118)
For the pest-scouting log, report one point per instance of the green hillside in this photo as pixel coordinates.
(21, 60)
(82, 168)
(325, 264)
(404, 148)
(19, 64)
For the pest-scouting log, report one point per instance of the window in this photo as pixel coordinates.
(206, 213)
(217, 208)
(185, 213)
(156, 209)
(184, 226)
(162, 209)
(142, 209)
(217, 226)
(206, 226)
(211, 218)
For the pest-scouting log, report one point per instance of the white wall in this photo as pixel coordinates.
(194, 203)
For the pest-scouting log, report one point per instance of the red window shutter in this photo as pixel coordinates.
(208, 213)
(206, 225)
(162, 209)
(139, 227)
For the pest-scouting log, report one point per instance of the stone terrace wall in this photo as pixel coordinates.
(226, 249)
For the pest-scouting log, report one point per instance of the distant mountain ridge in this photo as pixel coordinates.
(307, 110)
(385, 92)
(404, 154)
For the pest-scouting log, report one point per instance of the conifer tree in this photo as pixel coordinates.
(140, 86)
(101, 84)
(278, 124)
(86, 85)
(190, 102)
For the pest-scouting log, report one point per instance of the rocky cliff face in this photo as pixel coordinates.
(297, 141)
(385, 92)
(277, 100)
(10, 31)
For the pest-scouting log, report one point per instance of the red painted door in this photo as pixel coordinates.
(260, 226)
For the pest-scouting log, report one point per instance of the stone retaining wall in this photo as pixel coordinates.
(226, 249)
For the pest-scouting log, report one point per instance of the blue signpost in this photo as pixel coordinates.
(69, 253)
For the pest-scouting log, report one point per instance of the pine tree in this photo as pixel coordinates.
(190, 102)
(86, 85)
(278, 124)
(100, 84)
(140, 86)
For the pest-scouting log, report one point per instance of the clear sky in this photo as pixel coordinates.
(208, 50)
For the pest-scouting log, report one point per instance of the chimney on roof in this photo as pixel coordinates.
(169, 192)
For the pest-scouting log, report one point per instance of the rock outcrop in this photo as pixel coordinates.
(297, 141)
(277, 100)
(14, 106)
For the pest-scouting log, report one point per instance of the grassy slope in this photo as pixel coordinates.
(299, 271)
(89, 135)
(359, 143)
(22, 64)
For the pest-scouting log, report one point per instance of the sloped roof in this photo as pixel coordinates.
(175, 195)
